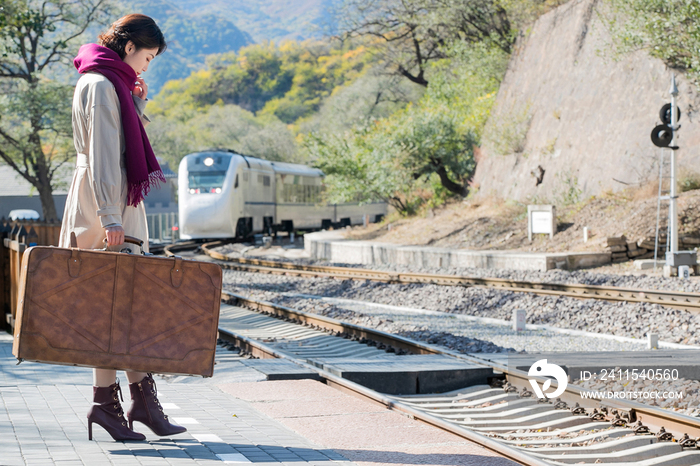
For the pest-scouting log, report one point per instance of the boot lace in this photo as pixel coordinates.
(117, 406)
(154, 392)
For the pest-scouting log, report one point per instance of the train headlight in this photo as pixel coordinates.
(217, 190)
(208, 161)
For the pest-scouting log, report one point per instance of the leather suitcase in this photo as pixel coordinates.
(117, 311)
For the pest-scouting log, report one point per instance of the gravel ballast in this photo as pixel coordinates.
(633, 320)
(442, 328)
(637, 281)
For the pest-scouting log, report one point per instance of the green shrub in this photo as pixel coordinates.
(689, 182)
(568, 191)
(506, 132)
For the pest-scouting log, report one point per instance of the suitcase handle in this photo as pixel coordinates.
(129, 239)
(133, 240)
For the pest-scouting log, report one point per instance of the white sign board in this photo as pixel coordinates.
(541, 219)
(542, 222)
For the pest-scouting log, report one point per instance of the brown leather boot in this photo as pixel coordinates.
(146, 409)
(108, 413)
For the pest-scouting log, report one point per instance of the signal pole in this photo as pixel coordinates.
(663, 136)
(672, 208)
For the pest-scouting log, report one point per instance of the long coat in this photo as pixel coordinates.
(98, 192)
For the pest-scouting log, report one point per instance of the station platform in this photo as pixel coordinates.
(334, 247)
(239, 416)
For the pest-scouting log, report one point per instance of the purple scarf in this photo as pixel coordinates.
(142, 169)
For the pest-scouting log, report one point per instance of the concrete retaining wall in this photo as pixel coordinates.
(332, 246)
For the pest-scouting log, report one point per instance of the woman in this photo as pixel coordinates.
(116, 168)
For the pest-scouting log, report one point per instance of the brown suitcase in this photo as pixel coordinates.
(117, 311)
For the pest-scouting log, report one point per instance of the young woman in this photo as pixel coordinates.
(116, 168)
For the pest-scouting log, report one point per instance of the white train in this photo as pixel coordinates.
(223, 194)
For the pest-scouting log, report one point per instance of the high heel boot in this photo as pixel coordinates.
(108, 413)
(146, 409)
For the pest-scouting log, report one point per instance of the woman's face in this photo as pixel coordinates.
(139, 59)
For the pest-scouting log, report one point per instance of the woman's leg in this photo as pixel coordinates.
(135, 377)
(103, 377)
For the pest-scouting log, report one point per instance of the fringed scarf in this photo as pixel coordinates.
(142, 169)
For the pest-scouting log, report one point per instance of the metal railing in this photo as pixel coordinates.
(163, 228)
(15, 238)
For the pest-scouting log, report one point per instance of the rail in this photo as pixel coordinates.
(261, 350)
(678, 300)
(621, 413)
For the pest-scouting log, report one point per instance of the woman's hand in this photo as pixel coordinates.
(115, 235)
(141, 89)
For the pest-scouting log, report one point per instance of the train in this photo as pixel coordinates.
(223, 194)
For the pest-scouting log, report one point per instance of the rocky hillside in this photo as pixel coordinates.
(570, 121)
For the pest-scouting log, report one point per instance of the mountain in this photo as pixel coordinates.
(273, 20)
(197, 28)
(191, 35)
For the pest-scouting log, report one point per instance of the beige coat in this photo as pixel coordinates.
(97, 195)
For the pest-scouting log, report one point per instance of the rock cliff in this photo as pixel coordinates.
(567, 106)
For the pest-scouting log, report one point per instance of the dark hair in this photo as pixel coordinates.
(137, 28)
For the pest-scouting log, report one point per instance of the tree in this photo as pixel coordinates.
(414, 32)
(390, 159)
(424, 149)
(358, 170)
(666, 29)
(289, 80)
(221, 126)
(373, 96)
(439, 133)
(432, 142)
(35, 45)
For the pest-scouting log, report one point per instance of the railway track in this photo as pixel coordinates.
(508, 419)
(677, 300)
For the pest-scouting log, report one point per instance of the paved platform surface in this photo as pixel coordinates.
(333, 246)
(370, 435)
(235, 417)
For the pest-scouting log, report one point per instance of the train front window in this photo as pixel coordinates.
(206, 182)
